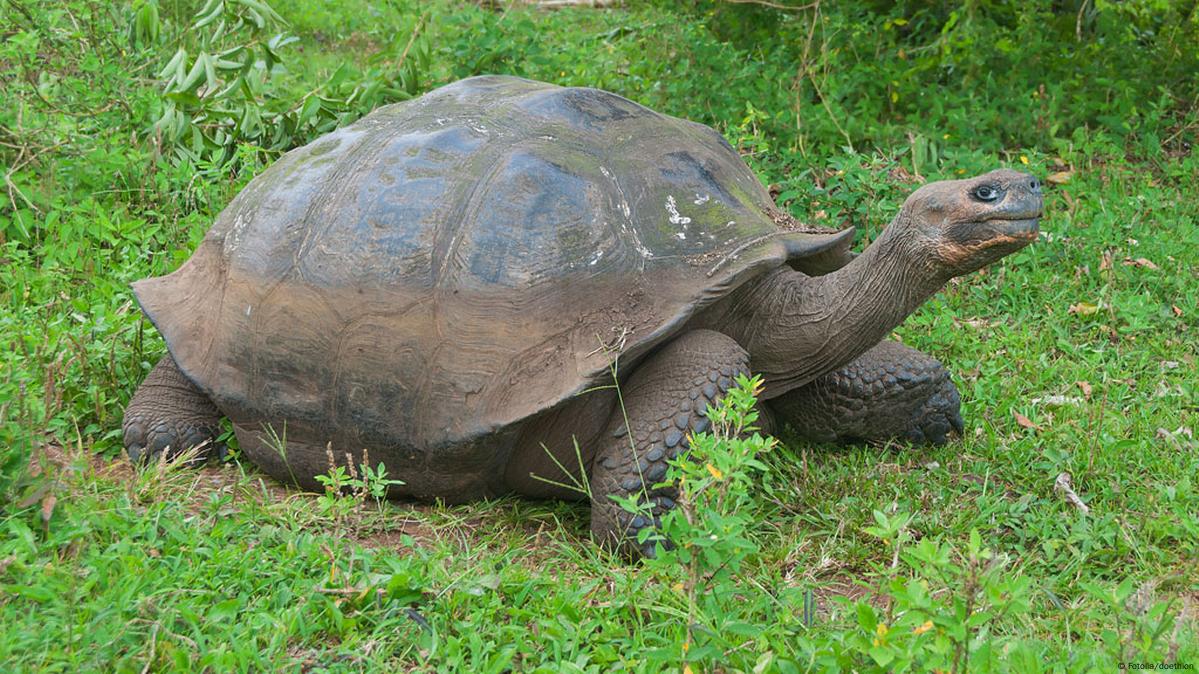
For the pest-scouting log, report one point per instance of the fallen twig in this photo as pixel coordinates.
(420, 23)
(352, 591)
(775, 5)
(562, 4)
(1062, 484)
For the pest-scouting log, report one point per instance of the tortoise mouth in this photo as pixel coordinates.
(1018, 228)
(1002, 232)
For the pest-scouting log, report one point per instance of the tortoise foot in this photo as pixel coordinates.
(147, 440)
(890, 392)
(168, 416)
(940, 415)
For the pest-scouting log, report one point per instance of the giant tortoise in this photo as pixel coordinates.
(452, 283)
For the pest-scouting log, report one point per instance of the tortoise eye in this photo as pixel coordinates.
(986, 193)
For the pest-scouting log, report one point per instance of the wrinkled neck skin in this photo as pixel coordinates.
(797, 327)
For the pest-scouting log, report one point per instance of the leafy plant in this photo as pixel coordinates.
(711, 529)
(228, 93)
(943, 606)
(350, 485)
(708, 530)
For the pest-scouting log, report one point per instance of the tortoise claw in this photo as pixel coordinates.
(939, 416)
(147, 443)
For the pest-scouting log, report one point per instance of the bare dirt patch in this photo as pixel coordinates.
(397, 526)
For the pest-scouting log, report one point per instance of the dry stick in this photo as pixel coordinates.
(1062, 484)
(351, 591)
(558, 4)
(1178, 133)
(1185, 127)
(828, 109)
(22, 151)
(411, 39)
(1098, 429)
(25, 157)
(25, 12)
(799, 78)
(153, 648)
(775, 5)
(806, 71)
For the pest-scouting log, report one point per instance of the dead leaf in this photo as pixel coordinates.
(48, 509)
(1059, 178)
(1106, 262)
(1057, 401)
(977, 323)
(1182, 438)
(1176, 310)
(35, 496)
(1141, 600)
(1025, 422)
(1165, 390)
(1141, 262)
(902, 175)
(1062, 484)
(1085, 387)
(1083, 309)
(1069, 202)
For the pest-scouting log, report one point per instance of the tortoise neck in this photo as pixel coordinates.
(797, 328)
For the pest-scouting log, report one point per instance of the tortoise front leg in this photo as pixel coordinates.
(664, 401)
(169, 414)
(891, 391)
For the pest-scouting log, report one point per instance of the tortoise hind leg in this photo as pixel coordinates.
(169, 414)
(664, 401)
(891, 391)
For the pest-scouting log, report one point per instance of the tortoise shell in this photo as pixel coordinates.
(449, 266)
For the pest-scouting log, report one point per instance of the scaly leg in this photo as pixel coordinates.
(169, 414)
(891, 391)
(664, 400)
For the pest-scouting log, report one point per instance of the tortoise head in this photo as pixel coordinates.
(964, 225)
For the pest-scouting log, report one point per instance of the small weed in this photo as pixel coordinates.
(350, 485)
(711, 531)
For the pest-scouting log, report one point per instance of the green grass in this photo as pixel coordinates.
(1090, 335)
